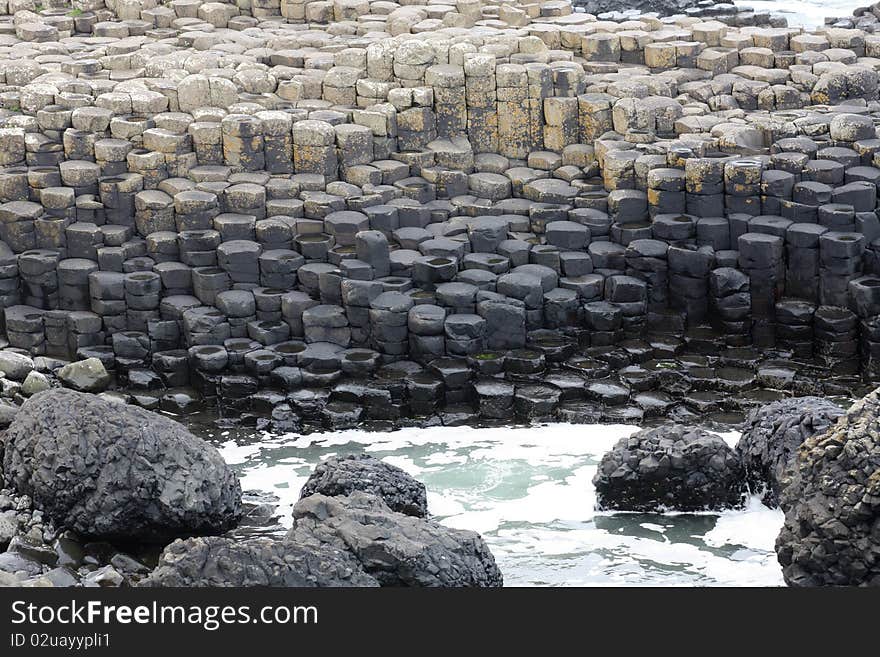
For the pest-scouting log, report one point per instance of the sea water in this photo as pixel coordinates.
(529, 492)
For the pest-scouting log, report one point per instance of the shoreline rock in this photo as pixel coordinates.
(211, 217)
(396, 549)
(427, 214)
(672, 468)
(86, 375)
(342, 475)
(772, 435)
(832, 504)
(40, 555)
(343, 535)
(215, 561)
(110, 470)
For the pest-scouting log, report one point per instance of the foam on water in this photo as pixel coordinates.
(529, 492)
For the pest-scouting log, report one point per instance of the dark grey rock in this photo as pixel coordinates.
(342, 475)
(670, 467)
(8, 529)
(7, 414)
(772, 435)
(105, 469)
(832, 504)
(396, 549)
(34, 550)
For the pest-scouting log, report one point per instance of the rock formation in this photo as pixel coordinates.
(772, 436)
(113, 471)
(205, 195)
(342, 475)
(396, 549)
(832, 504)
(217, 561)
(670, 468)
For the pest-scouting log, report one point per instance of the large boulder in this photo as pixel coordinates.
(831, 534)
(772, 435)
(113, 471)
(396, 549)
(342, 475)
(670, 467)
(220, 561)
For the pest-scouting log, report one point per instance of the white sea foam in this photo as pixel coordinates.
(729, 437)
(754, 527)
(529, 491)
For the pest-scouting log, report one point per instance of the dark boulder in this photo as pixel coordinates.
(219, 561)
(342, 475)
(772, 435)
(831, 534)
(670, 467)
(108, 470)
(396, 549)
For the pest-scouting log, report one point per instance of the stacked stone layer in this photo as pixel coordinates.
(286, 194)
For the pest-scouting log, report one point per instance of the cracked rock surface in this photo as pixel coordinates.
(217, 561)
(396, 549)
(772, 435)
(342, 475)
(831, 534)
(114, 471)
(670, 468)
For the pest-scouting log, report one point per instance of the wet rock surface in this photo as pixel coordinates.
(340, 476)
(772, 435)
(832, 504)
(359, 541)
(609, 8)
(670, 468)
(110, 470)
(396, 549)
